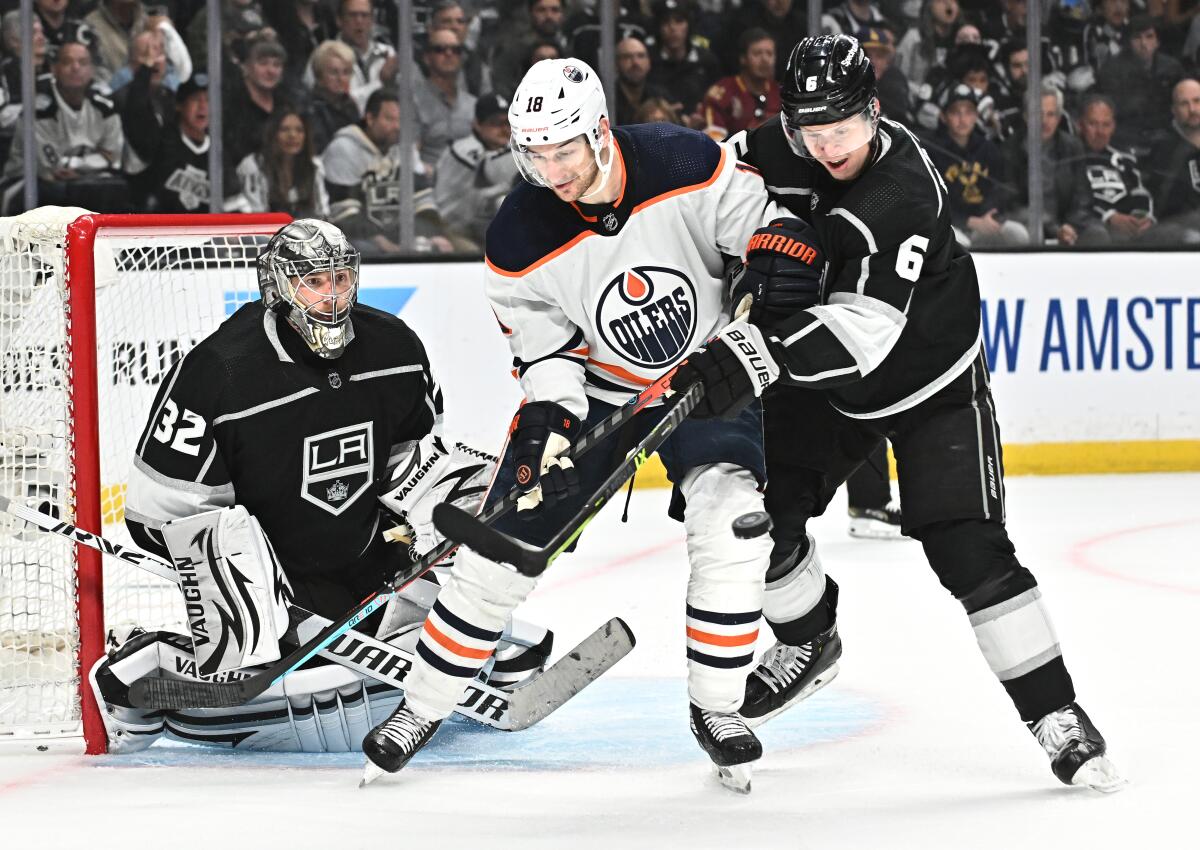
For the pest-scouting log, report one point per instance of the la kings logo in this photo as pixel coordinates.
(337, 467)
(648, 315)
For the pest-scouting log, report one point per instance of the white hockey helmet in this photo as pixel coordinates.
(558, 100)
(291, 279)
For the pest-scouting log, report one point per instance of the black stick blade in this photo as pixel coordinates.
(463, 528)
(157, 692)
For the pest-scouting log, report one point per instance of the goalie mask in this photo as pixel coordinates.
(309, 273)
(558, 101)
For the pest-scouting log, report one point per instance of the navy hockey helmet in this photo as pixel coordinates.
(309, 273)
(828, 79)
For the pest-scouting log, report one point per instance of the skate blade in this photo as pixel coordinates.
(371, 772)
(1099, 774)
(827, 676)
(735, 777)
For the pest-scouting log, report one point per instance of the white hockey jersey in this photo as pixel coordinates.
(600, 300)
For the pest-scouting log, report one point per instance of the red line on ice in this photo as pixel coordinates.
(1079, 556)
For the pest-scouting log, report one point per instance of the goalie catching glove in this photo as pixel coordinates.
(783, 272)
(735, 368)
(424, 473)
(542, 441)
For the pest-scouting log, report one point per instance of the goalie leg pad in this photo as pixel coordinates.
(233, 587)
(725, 591)
(462, 631)
(320, 709)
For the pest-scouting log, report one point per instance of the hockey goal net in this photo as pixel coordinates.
(94, 310)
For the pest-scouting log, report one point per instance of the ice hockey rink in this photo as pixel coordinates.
(915, 745)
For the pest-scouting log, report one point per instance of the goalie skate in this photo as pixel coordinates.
(730, 744)
(1077, 750)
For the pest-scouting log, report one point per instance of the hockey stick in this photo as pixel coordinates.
(456, 524)
(510, 711)
(169, 694)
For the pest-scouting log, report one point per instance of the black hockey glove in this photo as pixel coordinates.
(542, 441)
(735, 368)
(782, 274)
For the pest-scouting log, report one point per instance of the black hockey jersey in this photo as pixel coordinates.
(250, 416)
(899, 311)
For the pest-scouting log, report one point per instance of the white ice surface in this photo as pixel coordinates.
(914, 745)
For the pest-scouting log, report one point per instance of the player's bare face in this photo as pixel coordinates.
(325, 294)
(569, 168)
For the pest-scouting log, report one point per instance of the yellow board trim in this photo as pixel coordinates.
(1050, 459)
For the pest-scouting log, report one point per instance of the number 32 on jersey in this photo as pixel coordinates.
(183, 436)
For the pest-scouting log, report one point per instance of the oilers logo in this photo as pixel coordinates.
(648, 315)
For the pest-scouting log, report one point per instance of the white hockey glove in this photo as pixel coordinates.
(233, 586)
(424, 473)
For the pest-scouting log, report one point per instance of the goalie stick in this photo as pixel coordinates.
(510, 711)
(165, 694)
(458, 525)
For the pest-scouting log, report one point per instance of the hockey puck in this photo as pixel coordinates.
(751, 525)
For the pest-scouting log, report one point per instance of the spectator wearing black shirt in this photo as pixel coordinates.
(583, 28)
(1139, 80)
(1066, 197)
(331, 107)
(1175, 167)
(250, 99)
(895, 93)
(785, 20)
(10, 74)
(850, 16)
(681, 68)
(59, 25)
(633, 67)
(300, 26)
(146, 105)
(973, 169)
(511, 53)
(179, 164)
(1119, 196)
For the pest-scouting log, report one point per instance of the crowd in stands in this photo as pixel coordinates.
(312, 120)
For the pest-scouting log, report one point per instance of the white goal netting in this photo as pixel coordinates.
(157, 290)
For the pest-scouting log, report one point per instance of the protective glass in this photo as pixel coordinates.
(831, 142)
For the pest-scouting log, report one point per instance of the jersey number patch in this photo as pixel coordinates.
(910, 258)
(181, 436)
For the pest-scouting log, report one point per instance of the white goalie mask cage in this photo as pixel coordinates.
(290, 278)
(557, 101)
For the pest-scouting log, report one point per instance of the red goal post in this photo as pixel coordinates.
(93, 310)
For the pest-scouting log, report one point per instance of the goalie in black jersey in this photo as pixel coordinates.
(277, 454)
(866, 311)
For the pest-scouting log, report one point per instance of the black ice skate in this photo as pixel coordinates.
(1076, 749)
(390, 745)
(876, 523)
(729, 743)
(787, 674)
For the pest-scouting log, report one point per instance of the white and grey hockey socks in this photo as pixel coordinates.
(461, 632)
(724, 596)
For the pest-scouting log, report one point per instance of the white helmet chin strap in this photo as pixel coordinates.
(605, 167)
